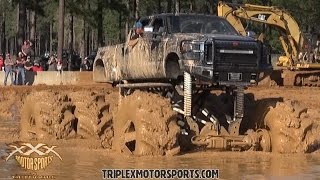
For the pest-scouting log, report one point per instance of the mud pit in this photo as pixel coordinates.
(88, 114)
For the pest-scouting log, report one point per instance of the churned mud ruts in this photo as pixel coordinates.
(144, 123)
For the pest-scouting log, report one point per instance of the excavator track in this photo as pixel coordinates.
(310, 78)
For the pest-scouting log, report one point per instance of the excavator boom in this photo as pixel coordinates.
(299, 54)
(280, 19)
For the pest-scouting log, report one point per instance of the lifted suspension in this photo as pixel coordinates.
(213, 135)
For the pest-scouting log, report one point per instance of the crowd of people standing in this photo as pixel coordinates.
(17, 68)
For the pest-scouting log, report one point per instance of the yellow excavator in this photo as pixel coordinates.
(301, 64)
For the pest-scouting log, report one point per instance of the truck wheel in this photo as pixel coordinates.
(292, 127)
(93, 117)
(99, 72)
(172, 69)
(46, 115)
(145, 125)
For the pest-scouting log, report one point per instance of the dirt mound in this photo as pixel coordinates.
(293, 128)
(270, 78)
(145, 124)
(9, 98)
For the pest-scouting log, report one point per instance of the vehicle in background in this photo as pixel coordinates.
(91, 58)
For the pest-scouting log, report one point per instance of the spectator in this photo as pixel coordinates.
(59, 66)
(52, 64)
(36, 67)
(85, 66)
(25, 49)
(21, 69)
(28, 64)
(1, 63)
(138, 34)
(8, 69)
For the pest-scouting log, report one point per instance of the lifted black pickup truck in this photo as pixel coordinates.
(195, 54)
(206, 46)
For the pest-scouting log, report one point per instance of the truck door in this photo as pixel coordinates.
(137, 58)
(146, 57)
(158, 42)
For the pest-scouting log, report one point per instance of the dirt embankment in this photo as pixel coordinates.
(92, 113)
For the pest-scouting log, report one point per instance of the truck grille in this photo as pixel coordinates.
(227, 53)
(232, 53)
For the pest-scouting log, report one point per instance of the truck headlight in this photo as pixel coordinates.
(186, 46)
(189, 46)
(193, 49)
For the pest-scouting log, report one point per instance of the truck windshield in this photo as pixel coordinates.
(201, 24)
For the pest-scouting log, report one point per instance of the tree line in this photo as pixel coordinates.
(82, 26)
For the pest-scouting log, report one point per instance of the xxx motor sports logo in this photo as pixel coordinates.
(32, 157)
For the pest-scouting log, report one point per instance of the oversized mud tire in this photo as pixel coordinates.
(46, 115)
(292, 129)
(145, 124)
(94, 120)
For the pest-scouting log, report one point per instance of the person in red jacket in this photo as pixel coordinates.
(1, 62)
(36, 67)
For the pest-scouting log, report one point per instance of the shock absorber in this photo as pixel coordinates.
(238, 111)
(239, 104)
(187, 92)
